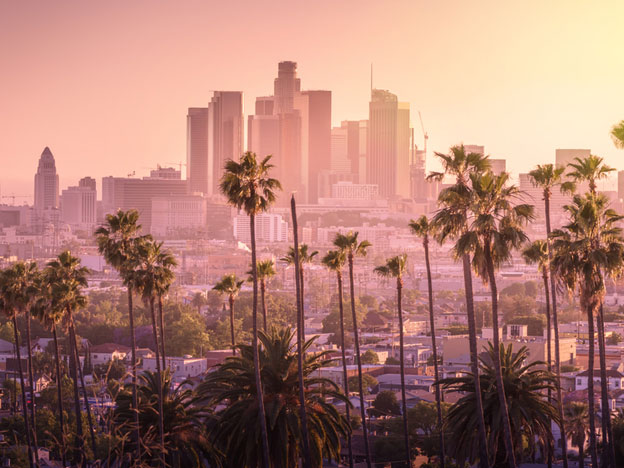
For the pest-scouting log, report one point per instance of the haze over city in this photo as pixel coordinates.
(106, 85)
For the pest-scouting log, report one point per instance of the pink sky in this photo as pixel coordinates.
(106, 84)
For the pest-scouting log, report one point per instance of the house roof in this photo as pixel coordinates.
(611, 373)
(109, 348)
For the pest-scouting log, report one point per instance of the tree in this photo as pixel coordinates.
(305, 257)
(68, 278)
(617, 134)
(198, 301)
(334, 261)
(395, 267)
(587, 248)
(232, 387)
(368, 381)
(423, 229)
(13, 299)
(266, 270)
(529, 412)
(451, 221)
(548, 177)
(614, 339)
(370, 357)
(247, 185)
(392, 361)
(112, 370)
(351, 247)
(230, 286)
(495, 231)
(116, 241)
(385, 404)
(577, 417)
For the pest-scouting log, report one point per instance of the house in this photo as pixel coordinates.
(181, 368)
(103, 353)
(615, 379)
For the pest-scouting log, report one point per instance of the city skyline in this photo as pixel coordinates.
(542, 88)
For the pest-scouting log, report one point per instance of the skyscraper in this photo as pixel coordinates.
(563, 157)
(498, 166)
(46, 182)
(214, 135)
(79, 205)
(348, 151)
(285, 87)
(388, 154)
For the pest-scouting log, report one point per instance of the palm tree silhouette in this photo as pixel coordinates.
(230, 286)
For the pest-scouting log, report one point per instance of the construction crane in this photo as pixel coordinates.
(13, 197)
(179, 164)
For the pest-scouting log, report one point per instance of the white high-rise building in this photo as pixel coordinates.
(269, 228)
(79, 205)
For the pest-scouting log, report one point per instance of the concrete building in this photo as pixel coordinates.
(175, 213)
(214, 135)
(498, 166)
(348, 149)
(269, 228)
(388, 150)
(351, 191)
(79, 205)
(181, 368)
(563, 157)
(131, 193)
(46, 182)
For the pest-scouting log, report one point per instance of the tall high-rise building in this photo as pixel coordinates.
(46, 182)
(621, 185)
(214, 135)
(498, 166)
(563, 157)
(348, 149)
(388, 154)
(285, 87)
(79, 205)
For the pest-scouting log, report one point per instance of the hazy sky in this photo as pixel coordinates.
(106, 84)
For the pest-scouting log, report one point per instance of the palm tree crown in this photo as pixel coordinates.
(348, 243)
(229, 285)
(334, 260)
(394, 267)
(305, 256)
(617, 135)
(589, 169)
(537, 254)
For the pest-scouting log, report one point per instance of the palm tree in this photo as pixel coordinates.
(495, 231)
(452, 220)
(423, 229)
(68, 278)
(48, 312)
(186, 439)
(164, 276)
(592, 169)
(199, 300)
(617, 135)
(530, 413)
(395, 267)
(247, 185)
(349, 245)
(548, 177)
(588, 247)
(577, 416)
(13, 298)
(230, 286)
(266, 270)
(232, 386)
(335, 260)
(305, 257)
(116, 241)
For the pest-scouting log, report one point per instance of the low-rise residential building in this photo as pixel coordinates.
(181, 368)
(615, 378)
(103, 353)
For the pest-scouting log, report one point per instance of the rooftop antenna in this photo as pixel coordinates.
(371, 88)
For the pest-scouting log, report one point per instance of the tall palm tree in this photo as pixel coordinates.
(247, 185)
(549, 177)
(395, 267)
(530, 413)
(116, 241)
(305, 257)
(452, 220)
(617, 134)
(147, 285)
(231, 387)
(586, 249)
(164, 276)
(577, 416)
(423, 229)
(495, 231)
(266, 270)
(335, 261)
(349, 245)
(68, 278)
(13, 298)
(592, 169)
(48, 312)
(230, 286)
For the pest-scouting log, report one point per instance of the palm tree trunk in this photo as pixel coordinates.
(306, 460)
(549, 449)
(162, 334)
(24, 405)
(607, 431)
(581, 455)
(590, 387)
(474, 360)
(553, 295)
(438, 390)
(73, 367)
(408, 458)
(161, 424)
(344, 364)
(31, 381)
(231, 301)
(135, 397)
(500, 387)
(264, 307)
(59, 392)
(256, 352)
(72, 331)
(356, 342)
